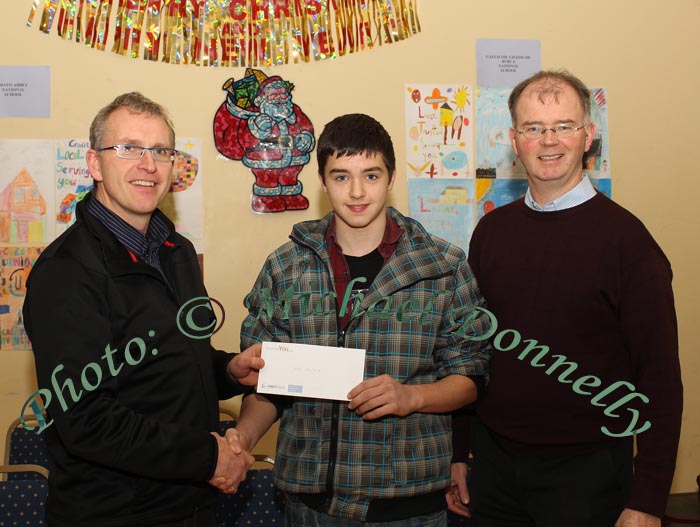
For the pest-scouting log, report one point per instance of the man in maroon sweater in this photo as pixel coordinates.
(585, 338)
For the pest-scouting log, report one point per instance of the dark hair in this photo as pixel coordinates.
(134, 102)
(352, 134)
(549, 83)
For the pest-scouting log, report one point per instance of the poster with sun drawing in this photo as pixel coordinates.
(492, 193)
(439, 141)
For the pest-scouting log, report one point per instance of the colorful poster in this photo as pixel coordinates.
(494, 154)
(492, 193)
(439, 142)
(185, 204)
(26, 192)
(603, 185)
(597, 159)
(72, 180)
(444, 207)
(15, 264)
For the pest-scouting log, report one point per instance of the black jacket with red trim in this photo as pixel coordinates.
(130, 389)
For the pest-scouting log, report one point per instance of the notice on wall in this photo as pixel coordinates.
(25, 91)
(503, 63)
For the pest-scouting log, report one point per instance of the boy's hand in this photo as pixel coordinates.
(381, 396)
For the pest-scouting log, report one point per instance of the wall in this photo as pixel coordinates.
(644, 53)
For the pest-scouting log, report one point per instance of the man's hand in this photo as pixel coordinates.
(231, 466)
(457, 494)
(237, 440)
(244, 367)
(380, 396)
(632, 518)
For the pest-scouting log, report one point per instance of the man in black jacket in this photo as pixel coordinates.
(120, 321)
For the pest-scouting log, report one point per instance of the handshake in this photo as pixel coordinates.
(232, 463)
(233, 460)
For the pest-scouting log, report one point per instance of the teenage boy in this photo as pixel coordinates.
(384, 457)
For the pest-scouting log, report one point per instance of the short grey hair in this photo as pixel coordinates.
(549, 83)
(134, 102)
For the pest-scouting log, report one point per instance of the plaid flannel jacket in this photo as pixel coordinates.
(412, 325)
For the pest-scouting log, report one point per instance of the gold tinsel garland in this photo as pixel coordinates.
(231, 32)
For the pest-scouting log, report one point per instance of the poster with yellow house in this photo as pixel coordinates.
(22, 211)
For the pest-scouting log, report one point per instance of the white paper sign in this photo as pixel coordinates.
(502, 63)
(303, 370)
(25, 91)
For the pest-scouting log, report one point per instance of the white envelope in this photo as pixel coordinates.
(303, 370)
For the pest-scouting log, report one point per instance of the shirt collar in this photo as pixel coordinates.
(158, 229)
(392, 233)
(576, 196)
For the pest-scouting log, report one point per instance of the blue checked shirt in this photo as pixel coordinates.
(409, 323)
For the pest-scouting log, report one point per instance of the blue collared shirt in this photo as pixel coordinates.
(577, 195)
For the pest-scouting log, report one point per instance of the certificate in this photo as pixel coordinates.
(303, 370)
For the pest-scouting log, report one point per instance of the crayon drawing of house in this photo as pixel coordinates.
(22, 211)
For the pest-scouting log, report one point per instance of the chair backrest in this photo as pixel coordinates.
(257, 502)
(227, 419)
(226, 414)
(22, 501)
(25, 447)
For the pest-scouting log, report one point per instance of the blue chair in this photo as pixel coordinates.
(257, 502)
(227, 419)
(25, 447)
(22, 500)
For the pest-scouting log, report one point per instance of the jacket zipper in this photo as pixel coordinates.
(335, 424)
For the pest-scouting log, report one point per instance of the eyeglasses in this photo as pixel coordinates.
(562, 131)
(134, 152)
